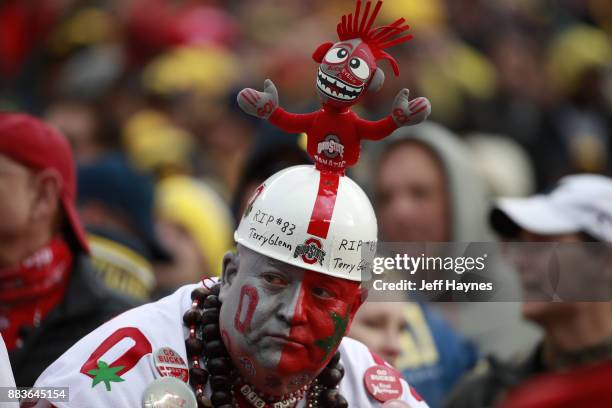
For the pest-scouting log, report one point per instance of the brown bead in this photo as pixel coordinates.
(329, 397)
(204, 401)
(330, 377)
(194, 346)
(210, 331)
(192, 317)
(219, 366)
(220, 381)
(212, 302)
(340, 368)
(341, 402)
(197, 376)
(221, 397)
(334, 360)
(210, 316)
(215, 348)
(200, 294)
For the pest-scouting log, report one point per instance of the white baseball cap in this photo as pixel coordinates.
(579, 203)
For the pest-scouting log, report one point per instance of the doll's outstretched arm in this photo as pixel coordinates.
(265, 105)
(375, 130)
(405, 112)
(291, 122)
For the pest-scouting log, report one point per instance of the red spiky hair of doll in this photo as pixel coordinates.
(360, 26)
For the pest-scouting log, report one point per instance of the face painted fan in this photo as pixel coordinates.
(348, 69)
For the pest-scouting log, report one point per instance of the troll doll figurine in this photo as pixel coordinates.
(348, 69)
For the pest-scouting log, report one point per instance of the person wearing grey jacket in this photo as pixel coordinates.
(425, 188)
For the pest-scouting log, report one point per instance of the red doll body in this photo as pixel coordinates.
(348, 69)
(333, 136)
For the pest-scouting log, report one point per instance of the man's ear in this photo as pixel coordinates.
(359, 300)
(363, 292)
(319, 54)
(231, 262)
(377, 81)
(48, 184)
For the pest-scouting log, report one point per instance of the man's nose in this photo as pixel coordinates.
(404, 208)
(291, 308)
(392, 345)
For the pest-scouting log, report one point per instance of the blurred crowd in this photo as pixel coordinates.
(536, 72)
(145, 92)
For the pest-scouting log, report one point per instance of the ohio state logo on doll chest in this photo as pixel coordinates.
(330, 152)
(333, 140)
(331, 147)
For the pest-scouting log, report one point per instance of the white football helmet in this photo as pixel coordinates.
(315, 220)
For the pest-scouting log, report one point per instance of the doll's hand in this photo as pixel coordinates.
(260, 104)
(408, 112)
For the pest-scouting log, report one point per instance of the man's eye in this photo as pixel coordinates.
(374, 323)
(322, 293)
(274, 279)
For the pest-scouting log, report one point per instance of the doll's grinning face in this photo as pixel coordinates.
(335, 88)
(345, 73)
(282, 321)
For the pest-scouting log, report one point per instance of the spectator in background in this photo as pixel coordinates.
(197, 101)
(576, 334)
(116, 202)
(580, 66)
(157, 146)
(82, 124)
(272, 151)
(380, 325)
(426, 189)
(195, 225)
(418, 198)
(49, 295)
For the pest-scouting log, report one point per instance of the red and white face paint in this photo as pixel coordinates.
(283, 323)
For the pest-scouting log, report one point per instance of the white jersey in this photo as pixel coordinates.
(6, 374)
(113, 365)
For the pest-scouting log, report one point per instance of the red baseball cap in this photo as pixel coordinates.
(37, 145)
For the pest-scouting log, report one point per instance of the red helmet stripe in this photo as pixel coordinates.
(324, 205)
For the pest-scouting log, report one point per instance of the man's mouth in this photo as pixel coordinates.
(337, 89)
(287, 340)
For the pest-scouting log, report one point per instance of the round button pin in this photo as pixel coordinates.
(383, 383)
(169, 363)
(168, 392)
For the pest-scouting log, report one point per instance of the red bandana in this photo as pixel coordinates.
(30, 290)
